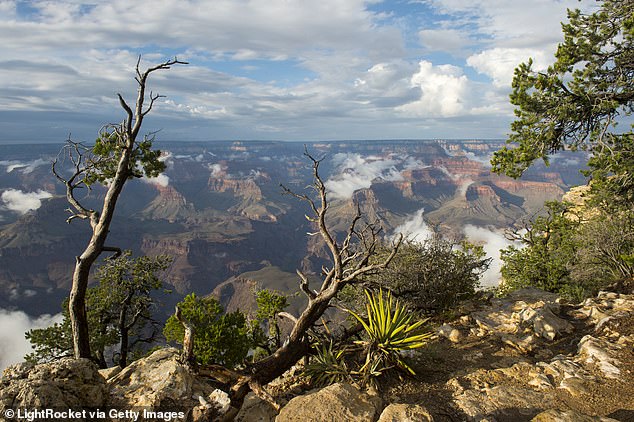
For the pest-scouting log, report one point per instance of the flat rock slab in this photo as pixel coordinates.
(336, 403)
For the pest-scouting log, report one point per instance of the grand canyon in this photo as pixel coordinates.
(218, 210)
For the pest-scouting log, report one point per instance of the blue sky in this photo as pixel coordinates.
(274, 69)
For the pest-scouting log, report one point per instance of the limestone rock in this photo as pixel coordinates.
(110, 372)
(600, 352)
(337, 402)
(160, 382)
(523, 313)
(574, 385)
(454, 335)
(506, 402)
(553, 415)
(64, 384)
(405, 413)
(255, 409)
(549, 326)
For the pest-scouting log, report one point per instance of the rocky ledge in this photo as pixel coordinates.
(526, 357)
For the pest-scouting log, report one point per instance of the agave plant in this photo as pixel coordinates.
(391, 329)
(327, 366)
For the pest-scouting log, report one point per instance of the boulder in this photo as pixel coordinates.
(110, 372)
(454, 335)
(506, 402)
(522, 313)
(553, 415)
(255, 409)
(337, 402)
(405, 413)
(549, 326)
(160, 382)
(60, 385)
(602, 353)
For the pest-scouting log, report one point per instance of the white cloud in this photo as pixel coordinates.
(23, 202)
(415, 228)
(8, 10)
(25, 167)
(13, 325)
(492, 242)
(280, 69)
(357, 172)
(452, 41)
(443, 91)
(509, 23)
(162, 180)
(500, 63)
(217, 170)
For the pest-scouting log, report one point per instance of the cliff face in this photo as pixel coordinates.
(169, 205)
(462, 167)
(477, 191)
(246, 188)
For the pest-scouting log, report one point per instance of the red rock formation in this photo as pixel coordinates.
(241, 187)
(461, 167)
(166, 245)
(552, 177)
(476, 191)
(516, 186)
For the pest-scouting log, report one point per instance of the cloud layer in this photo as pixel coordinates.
(357, 172)
(273, 69)
(23, 202)
(415, 228)
(13, 325)
(492, 242)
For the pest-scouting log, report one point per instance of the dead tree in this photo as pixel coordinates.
(116, 157)
(351, 259)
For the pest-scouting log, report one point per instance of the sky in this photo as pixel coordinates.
(275, 69)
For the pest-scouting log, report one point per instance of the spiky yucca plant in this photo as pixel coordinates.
(391, 329)
(327, 366)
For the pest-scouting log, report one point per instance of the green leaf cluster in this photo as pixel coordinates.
(328, 365)
(107, 151)
(219, 338)
(430, 276)
(548, 249)
(578, 101)
(269, 304)
(571, 252)
(118, 308)
(389, 329)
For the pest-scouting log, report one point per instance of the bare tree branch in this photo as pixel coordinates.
(303, 285)
(351, 260)
(115, 166)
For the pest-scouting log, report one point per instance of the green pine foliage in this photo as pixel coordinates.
(547, 253)
(219, 338)
(573, 252)
(577, 102)
(107, 151)
(118, 308)
(269, 303)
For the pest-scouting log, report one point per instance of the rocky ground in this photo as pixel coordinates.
(525, 354)
(522, 358)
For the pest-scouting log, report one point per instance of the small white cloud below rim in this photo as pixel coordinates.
(22, 202)
(13, 324)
